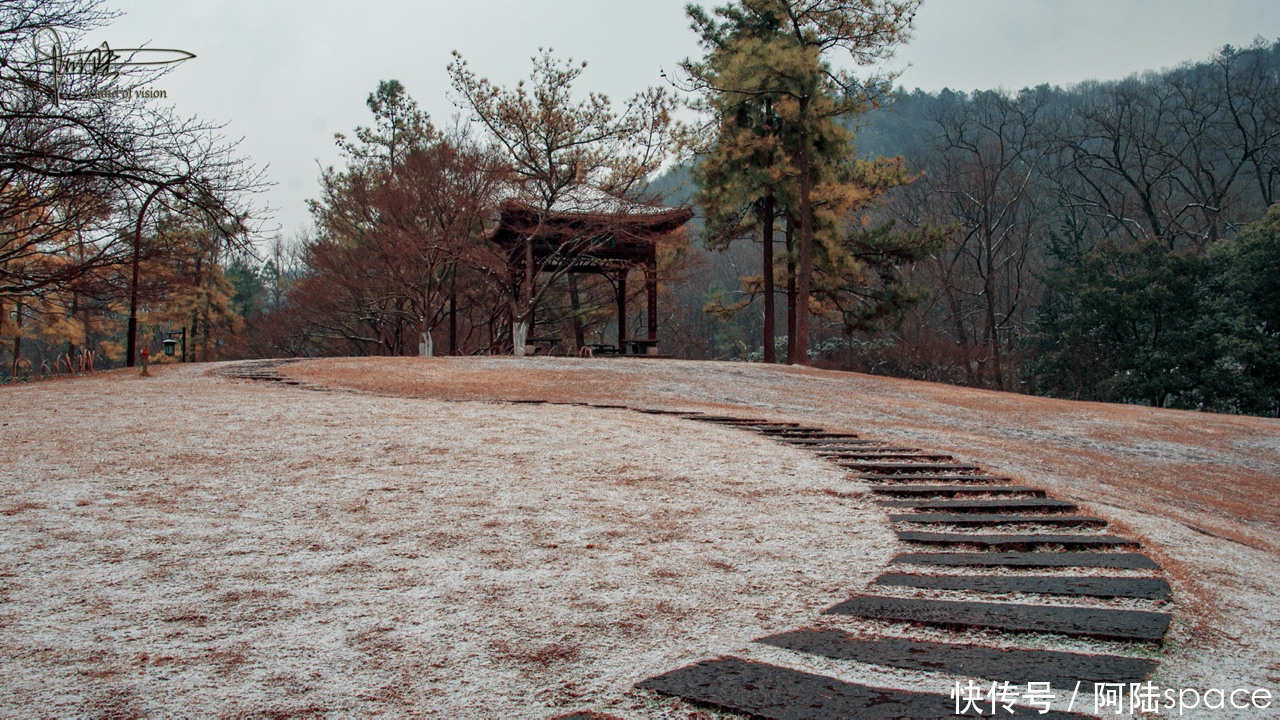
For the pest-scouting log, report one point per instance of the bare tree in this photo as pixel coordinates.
(395, 229)
(83, 151)
(983, 173)
(560, 150)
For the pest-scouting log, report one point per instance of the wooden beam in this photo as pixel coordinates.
(651, 289)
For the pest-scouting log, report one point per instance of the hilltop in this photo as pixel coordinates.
(392, 535)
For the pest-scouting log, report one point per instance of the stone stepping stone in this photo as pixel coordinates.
(1100, 587)
(1119, 561)
(791, 436)
(827, 445)
(825, 442)
(920, 467)
(875, 454)
(929, 490)
(803, 438)
(1015, 541)
(983, 520)
(869, 452)
(1105, 623)
(933, 478)
(769, 691)
(1010, 505)
(1017, 667)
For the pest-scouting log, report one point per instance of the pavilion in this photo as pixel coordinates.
(586, 230)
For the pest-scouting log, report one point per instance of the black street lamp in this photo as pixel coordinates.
(170, 344)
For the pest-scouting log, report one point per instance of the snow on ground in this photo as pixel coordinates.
(189, 545)
(1201, 490)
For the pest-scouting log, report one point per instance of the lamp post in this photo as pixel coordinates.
(132, 342)
(170, 344)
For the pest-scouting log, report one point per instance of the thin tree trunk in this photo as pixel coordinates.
(993, 330)
(805, 279)
(131, 344)
(88, 337)
(425, 344)
(453, 321)
(791, 291)
(75, 308)
(208, 303)
(766, 238)
(957, 321)
(17, 338)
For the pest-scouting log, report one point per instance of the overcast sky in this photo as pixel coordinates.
(286, 76)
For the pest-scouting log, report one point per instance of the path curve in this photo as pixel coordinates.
(981, 539)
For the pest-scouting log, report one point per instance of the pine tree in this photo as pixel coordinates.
(779, 105)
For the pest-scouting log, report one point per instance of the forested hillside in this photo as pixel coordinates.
(1107, 241)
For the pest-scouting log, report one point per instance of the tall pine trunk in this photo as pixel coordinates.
(805, 278)
(791, 291)
(766, 238)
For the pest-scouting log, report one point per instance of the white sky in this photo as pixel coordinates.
(286, 75)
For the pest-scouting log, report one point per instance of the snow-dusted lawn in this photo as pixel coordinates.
(189, 545)
(1202, 491)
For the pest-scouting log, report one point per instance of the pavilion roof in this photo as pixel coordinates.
(586, 212)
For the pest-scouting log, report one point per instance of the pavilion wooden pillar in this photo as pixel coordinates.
(514, 288)
(651, 290)
(622, 310)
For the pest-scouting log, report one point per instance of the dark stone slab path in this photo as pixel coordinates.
(1086, 586)
(980, 519)
(879, 478)
(769, 691)
(1019, 667)
(892, 467)
(967, 505)
(1107, 624)
(868, 451)
(1119, 561)
(823, 441)
(917, 480)
(931, 488)
(877, 455)
(945, 490)
(1010, 541)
